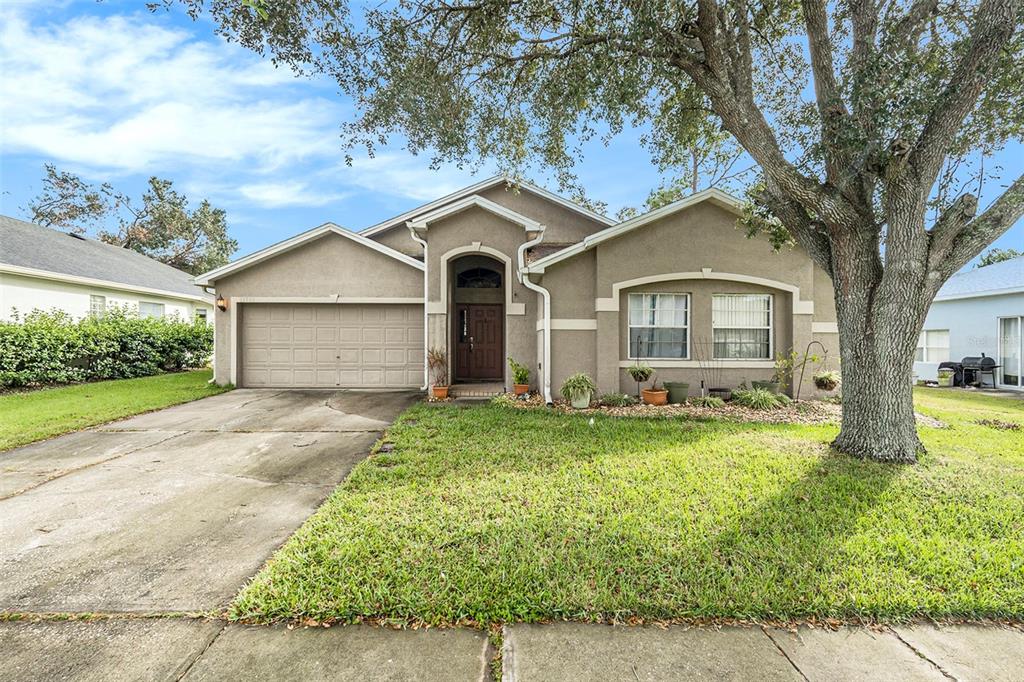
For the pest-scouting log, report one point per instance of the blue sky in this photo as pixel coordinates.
(116, 94)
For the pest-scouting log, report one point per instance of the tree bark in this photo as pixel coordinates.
(878, 332)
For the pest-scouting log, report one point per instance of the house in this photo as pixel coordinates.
(976, 312)
(44, 269)
(498, 270)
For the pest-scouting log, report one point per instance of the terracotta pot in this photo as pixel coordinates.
(440, 392)
(520, 389)
(654, 397)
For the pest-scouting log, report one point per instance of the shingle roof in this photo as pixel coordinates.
(26, 245)
(991, 279)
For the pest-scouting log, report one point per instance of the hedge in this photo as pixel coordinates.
(54, 348)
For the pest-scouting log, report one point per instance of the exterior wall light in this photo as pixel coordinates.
(222, 303)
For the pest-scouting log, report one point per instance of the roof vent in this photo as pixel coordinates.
(76, 236)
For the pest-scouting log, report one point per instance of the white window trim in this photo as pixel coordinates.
(1020, 351)
(922, 341)
(771, 328)
(689, 313)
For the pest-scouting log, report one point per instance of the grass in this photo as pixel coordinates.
(489, 514)
(35, 415)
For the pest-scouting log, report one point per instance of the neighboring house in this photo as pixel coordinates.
(44, 269)
(493, 271)
(976, 312)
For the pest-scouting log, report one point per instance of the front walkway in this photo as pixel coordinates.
(181, 649)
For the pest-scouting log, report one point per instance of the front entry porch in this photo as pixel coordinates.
(478, 389)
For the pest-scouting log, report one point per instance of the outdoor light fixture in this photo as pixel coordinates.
(222, 303)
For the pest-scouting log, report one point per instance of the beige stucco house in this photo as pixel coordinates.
(498, 270)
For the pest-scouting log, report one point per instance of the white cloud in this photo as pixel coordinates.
(289, 193)
(126, 93)
(406, 175)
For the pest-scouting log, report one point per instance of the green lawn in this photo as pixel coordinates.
(496, 514)
(35, 415)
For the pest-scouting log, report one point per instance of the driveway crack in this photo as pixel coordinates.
(783, 652)
(206, 647)
(65, 472)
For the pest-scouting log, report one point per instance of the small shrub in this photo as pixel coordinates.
(504, 400)
(711, 401)
(617, 400)
(520, 372)
(756, 399)
(577, 386)
(783, 399)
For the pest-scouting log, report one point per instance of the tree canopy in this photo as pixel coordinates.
(993, 256)
(159, 224)
(870, 124)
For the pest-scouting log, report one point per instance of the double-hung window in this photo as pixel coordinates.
(741, 326)
(933, 346)
(147, 309)
(659, 326)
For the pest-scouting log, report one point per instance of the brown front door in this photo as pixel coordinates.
(478, 342)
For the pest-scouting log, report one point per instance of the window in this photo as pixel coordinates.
(741, 326)
(97, 306)
(478, 278)
(201, 314)
(1011, 350)
(659, 326)
(151, 309)
(933, 346)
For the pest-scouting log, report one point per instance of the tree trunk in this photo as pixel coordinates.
(879, 325)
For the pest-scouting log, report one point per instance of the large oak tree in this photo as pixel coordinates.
(862, 116)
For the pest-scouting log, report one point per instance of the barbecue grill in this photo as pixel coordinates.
(971, 370)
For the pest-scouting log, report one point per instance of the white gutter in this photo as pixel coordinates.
(546, 298)
(426, 316)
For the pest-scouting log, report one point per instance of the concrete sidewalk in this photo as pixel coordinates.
(574, 651)
(191, 650)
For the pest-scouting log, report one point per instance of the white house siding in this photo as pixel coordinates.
(973, 325)
(26, 294)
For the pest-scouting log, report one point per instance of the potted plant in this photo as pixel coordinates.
(655, 395)
(827, 379)
(520, 377)
(578, 389)
(437, 361)
(677, 391)
(640, 374)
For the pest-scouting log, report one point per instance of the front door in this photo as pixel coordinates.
(478, 342)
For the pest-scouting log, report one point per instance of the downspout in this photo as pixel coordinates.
(524, 279)
(426, 316)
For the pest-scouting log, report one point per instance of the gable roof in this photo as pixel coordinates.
(476, 201)
(208, 278)
(1006, 277)
(36, 251)
(400, 220)
(715, 196)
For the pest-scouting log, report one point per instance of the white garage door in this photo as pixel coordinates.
(331, 345)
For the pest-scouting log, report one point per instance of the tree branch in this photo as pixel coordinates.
(985, 229)
(807, 232)
(994, 24)
(831, 108)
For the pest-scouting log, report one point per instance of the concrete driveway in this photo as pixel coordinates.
(175, 510)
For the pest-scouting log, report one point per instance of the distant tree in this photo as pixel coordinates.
(866, 121)
(998, 256)
(159, 224)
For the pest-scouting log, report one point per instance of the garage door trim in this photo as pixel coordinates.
(234, 331)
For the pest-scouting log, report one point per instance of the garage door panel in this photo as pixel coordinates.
(331, 345)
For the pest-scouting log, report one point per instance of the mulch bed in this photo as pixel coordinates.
(798, 412)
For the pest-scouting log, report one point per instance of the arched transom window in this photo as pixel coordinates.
(478, 278)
